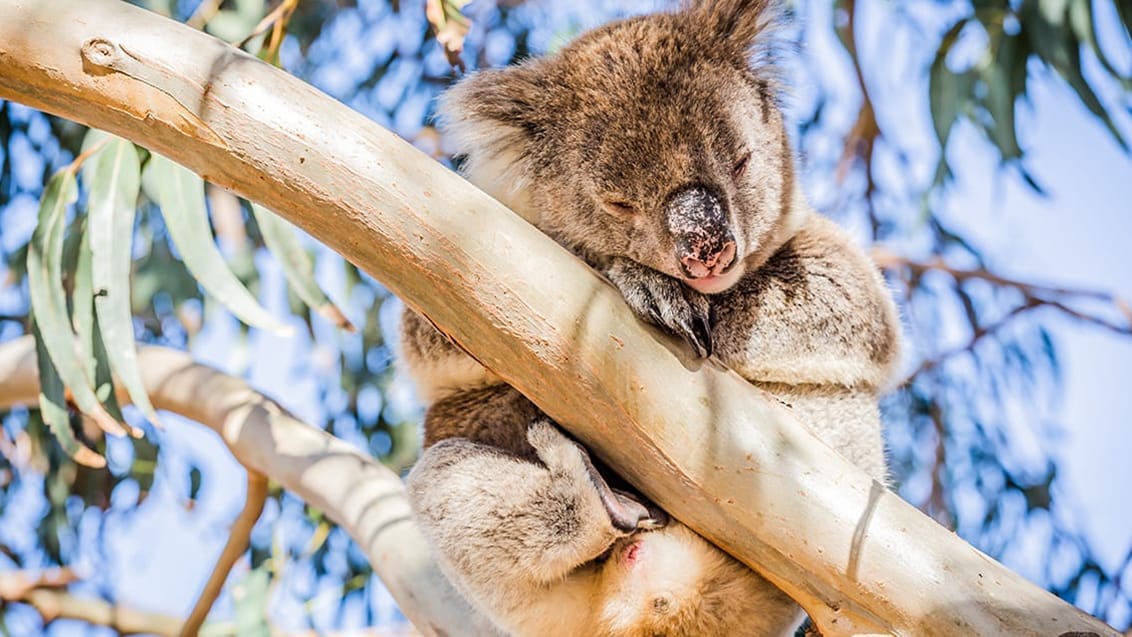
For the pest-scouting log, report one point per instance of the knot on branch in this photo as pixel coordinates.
(100, 52)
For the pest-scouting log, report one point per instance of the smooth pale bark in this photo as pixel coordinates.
(359, 493)
(716, 453)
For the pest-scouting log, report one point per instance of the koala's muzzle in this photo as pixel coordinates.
(697, 219)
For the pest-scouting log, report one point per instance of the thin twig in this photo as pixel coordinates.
(234, 548)
(278, 15)
(1034, 296)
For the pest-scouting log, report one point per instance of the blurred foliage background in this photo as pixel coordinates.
(969, 442)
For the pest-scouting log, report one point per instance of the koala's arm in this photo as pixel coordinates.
(663, 301)
(502, 524)
(817, 313)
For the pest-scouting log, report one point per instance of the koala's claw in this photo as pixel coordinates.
(654, 518)
(626, 511)
(665, 302)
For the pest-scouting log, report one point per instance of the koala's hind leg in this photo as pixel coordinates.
(498, 518)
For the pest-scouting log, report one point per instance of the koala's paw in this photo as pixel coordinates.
(665, 302)
(571, 460)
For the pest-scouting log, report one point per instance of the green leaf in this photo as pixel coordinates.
(53, 408)
(279, 237)
(86, 326)
(82, 299)
(1053, 39)
(49, 302)
(1001, 91)
(1082, 21)
(946, 89)
(180, 194)
(113, 178)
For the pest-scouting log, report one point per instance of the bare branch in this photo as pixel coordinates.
(353, 489)
(238, 540)
(42, 592)
(1034, 296)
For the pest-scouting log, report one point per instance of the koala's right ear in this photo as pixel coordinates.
(494, 112)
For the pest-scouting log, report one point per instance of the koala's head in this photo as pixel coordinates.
(672, 582)
(656, 138)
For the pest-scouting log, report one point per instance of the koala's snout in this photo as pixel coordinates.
(697, 219)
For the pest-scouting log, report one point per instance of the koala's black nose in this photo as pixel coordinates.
(697, 219)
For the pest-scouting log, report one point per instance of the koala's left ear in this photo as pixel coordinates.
(498, 110)
(738, 23)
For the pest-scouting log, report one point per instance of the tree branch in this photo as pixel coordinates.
(239, 537)
(716, 453)
(353, 489)
(42, 592)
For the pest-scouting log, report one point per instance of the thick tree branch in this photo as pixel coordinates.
(719, 455)
(353, 489)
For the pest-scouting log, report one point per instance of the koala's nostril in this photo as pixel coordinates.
(694, 267)
(724, 259)
(698, 266)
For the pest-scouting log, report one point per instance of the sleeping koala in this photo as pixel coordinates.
(652, 148)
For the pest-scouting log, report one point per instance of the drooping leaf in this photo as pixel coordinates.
(1047, 25)
(279, 237)
(998, 76)
(1082, 21)
(180, 194)
(82, 298)
(48, 299)
(945, 88)
(113, 178)
(86, 324)
(53, 408)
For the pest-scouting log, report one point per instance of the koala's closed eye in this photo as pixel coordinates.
(619, 208)
(740, 166)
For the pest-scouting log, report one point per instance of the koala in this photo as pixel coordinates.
(654, 148)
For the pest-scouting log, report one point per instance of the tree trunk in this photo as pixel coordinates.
(713, 451)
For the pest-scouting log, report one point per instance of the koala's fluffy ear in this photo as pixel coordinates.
(494, 112)
(738, 23)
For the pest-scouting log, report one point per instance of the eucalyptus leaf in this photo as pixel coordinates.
(1000, 95)
(279, 237)
(91, 349)
(53, 408)
(48, 299)
(945, 88)
(180, 194)
(82, 299)
(113, 178)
